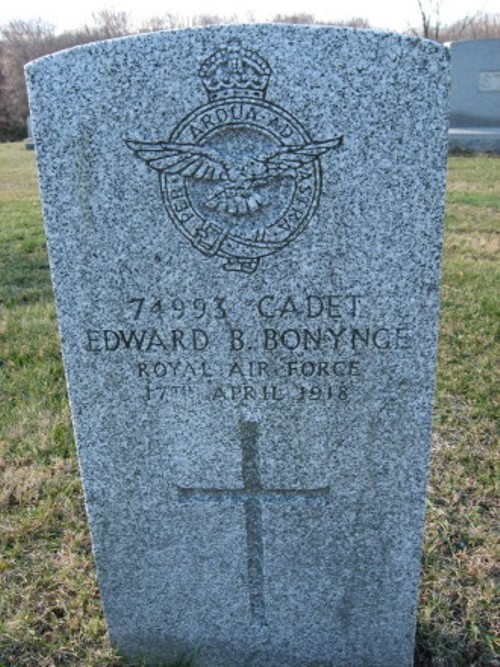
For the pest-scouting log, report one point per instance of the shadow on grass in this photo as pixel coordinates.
(25, 279)
(30, 654)
(435, 648)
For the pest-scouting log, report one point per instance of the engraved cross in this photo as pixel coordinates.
(252, 495)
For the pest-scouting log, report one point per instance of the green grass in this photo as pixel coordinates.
(459, 621)
(50, 611)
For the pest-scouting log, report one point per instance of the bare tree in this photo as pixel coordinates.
(163, 22)
(354, 22)
(309, 19)
(174, 21)
(298, 19)
(106, 24)
(477, 26)
(430, 18)
(21, 41)
(213, 19)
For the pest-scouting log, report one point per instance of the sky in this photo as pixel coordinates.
(394, 14)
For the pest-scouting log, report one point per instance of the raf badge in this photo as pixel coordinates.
(240, 177)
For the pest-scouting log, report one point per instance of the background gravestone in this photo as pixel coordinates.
(475, 95)
(28, 144)
(244, 227)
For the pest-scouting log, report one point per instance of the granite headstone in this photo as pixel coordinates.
(244, 227)
(475, 95)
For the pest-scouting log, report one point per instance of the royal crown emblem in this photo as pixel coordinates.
(240, 177)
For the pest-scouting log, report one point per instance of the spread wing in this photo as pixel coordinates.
(198, 162)
(289, 158)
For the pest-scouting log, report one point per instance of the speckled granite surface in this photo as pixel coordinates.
(244, 226)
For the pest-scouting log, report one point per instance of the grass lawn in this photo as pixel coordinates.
(50, 611)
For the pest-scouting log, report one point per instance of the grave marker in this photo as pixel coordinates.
(29, 145)
(475, 95)
(244, 227)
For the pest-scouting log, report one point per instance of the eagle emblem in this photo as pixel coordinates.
(240, 177)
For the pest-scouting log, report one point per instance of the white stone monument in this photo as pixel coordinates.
(244, 226)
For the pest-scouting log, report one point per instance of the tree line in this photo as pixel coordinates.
(23, 41)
